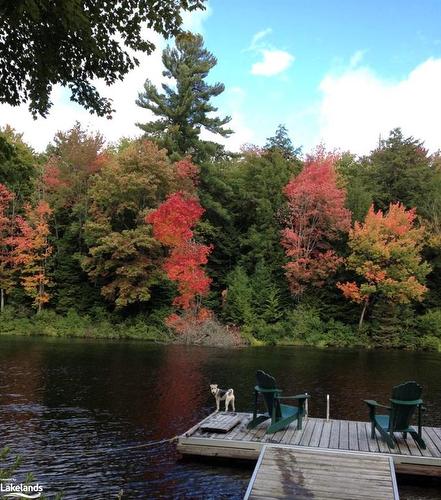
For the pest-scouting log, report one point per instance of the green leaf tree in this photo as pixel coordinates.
(184, 108)
(18, 165)
(73, 42)
(124, 259)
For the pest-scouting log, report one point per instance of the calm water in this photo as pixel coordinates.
(70, 407)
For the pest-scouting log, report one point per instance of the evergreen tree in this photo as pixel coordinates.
(238, 308)
(184, 106)
(400, 171)
(352, 175)
(243, 199)
(282, 143)
(267, 297)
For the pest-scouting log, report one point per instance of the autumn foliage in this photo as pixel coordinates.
(385, 254)
(184, 267)
(187, 174)
(31, 251)
(173, 223)
(124, 259)
(24, 249)
(174, 219)
(316, 217)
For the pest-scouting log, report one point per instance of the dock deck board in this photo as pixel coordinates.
(283, 472)
(317, 434)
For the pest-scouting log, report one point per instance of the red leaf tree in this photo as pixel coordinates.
(184, 267)
(173, 222)
(316, 218)
(174, 219)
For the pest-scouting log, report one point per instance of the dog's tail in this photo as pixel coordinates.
(230, 392)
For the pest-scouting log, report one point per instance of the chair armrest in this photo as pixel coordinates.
(261, 389)
(373, 403)
(415, 402)
(298, 396)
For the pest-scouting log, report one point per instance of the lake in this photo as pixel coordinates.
(72, 408)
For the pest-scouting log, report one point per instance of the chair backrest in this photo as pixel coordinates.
(267, 382)
(405, 399)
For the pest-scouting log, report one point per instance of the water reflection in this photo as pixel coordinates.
(71, 407)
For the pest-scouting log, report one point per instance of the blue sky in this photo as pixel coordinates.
(342, 72)
(387, 40)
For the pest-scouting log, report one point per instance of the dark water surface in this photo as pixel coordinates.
(69, 408)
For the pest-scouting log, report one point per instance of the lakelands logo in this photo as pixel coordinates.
(20, 490)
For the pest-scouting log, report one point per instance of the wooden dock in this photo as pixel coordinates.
(317, 433)
(301, 473)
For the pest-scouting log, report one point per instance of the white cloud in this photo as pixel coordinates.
(257, 37)
(124, 93)
(358, 105)
(193, 21)
(38, 133)
(273, 63)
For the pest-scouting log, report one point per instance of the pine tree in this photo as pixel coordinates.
(267, 297)
(183, 110)
(238, 307)
(282, 143)
(400, 171)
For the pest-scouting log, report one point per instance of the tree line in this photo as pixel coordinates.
(173, 232)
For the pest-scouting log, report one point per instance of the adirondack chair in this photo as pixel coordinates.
(281, 415)
(406, 398)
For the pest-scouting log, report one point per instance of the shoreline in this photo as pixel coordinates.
(73, 326)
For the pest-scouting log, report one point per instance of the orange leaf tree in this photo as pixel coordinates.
(31, 251)
(316, 218)
(385, 254)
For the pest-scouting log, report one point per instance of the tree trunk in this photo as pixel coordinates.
(40, 292)
(2, 299)
(363, 312)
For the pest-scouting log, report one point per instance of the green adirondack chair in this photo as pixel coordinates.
(281, 415)
(405, 400)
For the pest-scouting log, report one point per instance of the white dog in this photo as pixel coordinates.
(221, 395)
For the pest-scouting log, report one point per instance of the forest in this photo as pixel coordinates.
(170, 237)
